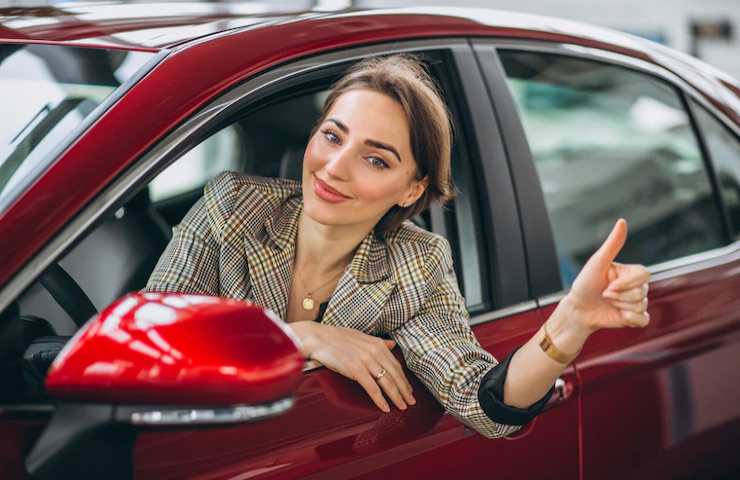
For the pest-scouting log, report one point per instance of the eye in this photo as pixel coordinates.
(331, 136)
(376, 162)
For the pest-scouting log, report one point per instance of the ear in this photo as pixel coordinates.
(416, 189)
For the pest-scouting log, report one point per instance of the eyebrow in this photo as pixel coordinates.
(370, 142)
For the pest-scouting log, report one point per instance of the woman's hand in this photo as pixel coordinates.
(606, 294)
(357, 356)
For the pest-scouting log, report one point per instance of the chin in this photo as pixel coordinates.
(325, 214)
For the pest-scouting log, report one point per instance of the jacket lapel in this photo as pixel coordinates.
(270, 258)
(363, 289)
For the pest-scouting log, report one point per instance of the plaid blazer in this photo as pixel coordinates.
(238, 241)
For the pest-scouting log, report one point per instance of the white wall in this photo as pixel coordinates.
(671, 18)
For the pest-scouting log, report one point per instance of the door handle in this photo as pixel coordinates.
(563, 391)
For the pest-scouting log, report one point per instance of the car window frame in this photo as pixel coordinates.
(215, 115)
(691, 106)
(545, 275)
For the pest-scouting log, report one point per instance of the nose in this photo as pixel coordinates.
(338, 164)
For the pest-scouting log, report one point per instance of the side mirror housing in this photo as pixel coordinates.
(161, 359)
(176, 349)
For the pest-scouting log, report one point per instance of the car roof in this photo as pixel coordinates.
(165, 25)
(135, 26)
(156, 26)
(179, 25)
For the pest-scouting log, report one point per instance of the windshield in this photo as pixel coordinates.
(49, 94)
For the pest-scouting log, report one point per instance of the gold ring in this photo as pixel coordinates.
(380, 374)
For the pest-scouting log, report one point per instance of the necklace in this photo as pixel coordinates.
(308, 302)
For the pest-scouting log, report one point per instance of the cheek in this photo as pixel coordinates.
(378, 190)
(313, 156)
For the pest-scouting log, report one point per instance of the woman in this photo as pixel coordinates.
(339, 248)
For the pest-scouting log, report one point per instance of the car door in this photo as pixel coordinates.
(334, 430)
(604, 136)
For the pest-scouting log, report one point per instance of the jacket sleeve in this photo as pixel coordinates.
(491, 395)
(189, 263)
(441, 349)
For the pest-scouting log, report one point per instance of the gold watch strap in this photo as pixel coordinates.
(553, 352)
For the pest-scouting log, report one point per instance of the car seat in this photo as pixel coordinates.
(115, 258)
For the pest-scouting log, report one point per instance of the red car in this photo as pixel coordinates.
(115, 116)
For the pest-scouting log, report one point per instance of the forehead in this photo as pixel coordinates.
(372, 114)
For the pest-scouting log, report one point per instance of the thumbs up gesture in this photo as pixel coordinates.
(607, 294)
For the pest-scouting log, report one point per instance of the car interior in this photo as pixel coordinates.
(119, 253)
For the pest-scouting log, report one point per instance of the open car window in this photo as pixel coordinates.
(267, 140)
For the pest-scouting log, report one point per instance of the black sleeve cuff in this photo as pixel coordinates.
(491, 394)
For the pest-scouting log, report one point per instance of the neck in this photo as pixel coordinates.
(322, 250)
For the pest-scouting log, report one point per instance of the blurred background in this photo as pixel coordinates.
(707, 29)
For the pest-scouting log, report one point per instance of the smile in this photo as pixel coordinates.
(326, 193)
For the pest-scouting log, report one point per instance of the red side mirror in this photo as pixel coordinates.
(176, 349)
(160, 359)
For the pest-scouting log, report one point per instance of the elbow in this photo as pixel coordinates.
(491, 430)
(476, 419)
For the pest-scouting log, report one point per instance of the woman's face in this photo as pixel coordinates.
(359, 163)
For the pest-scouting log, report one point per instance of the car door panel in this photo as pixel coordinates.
(662, 396)
(334, 431)
(18, 433)
(552, 437)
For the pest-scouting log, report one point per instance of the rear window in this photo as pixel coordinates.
(49, 93)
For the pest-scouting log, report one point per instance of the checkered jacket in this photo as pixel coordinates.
(238, 241)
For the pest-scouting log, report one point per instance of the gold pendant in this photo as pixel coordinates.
(307, 303)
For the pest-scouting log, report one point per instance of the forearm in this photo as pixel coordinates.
(531, 371)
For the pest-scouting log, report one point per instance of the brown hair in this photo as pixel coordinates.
(404, 78)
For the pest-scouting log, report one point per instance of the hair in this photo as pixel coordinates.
(404, 78)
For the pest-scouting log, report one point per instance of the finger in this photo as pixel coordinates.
(389, 362)
(612, 273)
(392, 391)
(611, 246)
(391, 344)
(630, 277)
(637, 307)
(633, 319)
(381, 352)
(634, 294)
(371, 387)
(387, 382)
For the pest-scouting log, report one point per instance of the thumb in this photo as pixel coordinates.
(611, 247)
(390, 344)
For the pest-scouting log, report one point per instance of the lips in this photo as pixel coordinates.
(325, 192)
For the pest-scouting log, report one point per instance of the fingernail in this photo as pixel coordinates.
(412, 401)
(386, 409)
